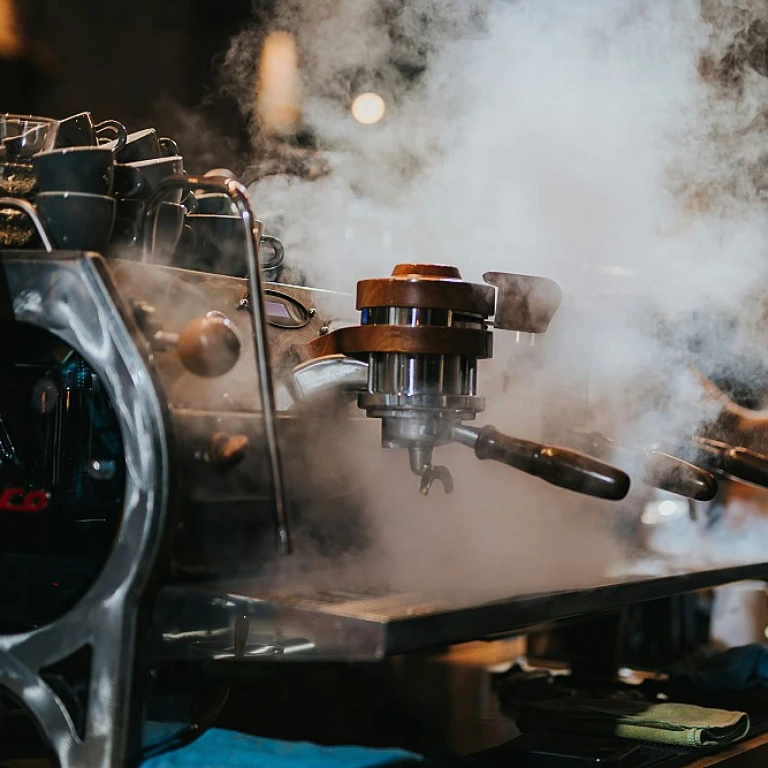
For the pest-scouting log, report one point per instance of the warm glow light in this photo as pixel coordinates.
(368, 108)
(278, 97)
(10, 39)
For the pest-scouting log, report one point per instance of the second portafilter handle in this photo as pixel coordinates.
(738, 463)
(559, 466)
(660, 470)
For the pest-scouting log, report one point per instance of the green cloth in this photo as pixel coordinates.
(683, 725)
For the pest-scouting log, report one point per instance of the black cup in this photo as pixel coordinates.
(81, 131)
(145, 145)
(77, 221)
(218, 245)
(163, 226)
(162, 230)
(215, 203)
(129, 218)
(76, 169)
(138, 180)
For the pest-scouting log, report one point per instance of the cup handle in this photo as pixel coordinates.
(277, 249)
(136, 185)
(119, 129)
(169, 146)
(129, 236)
(190, 202)
(31, 211)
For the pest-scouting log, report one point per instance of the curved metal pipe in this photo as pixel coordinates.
(239, 197)
(31, 211)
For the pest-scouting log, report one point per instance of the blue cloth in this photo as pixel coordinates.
(228, 749)
(738, 669)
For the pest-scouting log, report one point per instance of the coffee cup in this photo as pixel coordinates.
(129, 220)
(138, 180)
(215, 203)
(77, 221)
(75, 169)
(219, 246)
(22, 136)
(162, 230)
(164, 225)
(80, 131)
(145, 145)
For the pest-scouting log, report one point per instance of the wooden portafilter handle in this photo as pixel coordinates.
(661, 470)
(672, 474)
(558, 466)
(738, 463)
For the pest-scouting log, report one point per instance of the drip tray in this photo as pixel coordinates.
(244, 620)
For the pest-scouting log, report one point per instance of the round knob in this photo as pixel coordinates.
(209, 346)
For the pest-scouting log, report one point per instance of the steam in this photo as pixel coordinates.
(593, 143)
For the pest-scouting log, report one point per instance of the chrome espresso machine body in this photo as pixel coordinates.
(167, 436)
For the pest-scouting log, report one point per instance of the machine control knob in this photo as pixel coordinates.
(224, 450)
(209, 346)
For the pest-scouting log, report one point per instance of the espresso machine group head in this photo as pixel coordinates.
(422, 332)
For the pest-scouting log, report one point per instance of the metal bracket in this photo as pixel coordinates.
(524, 303)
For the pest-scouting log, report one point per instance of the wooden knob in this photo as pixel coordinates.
(209, 346)
(225, 450)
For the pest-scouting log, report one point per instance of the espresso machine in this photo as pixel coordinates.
(169, 439)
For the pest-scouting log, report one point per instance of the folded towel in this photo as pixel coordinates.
(679, 724)
(228, 749)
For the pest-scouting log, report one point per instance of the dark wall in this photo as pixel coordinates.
(143, 62)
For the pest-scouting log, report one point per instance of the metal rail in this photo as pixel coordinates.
(238, 195)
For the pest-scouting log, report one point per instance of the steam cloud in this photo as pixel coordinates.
(592, 142)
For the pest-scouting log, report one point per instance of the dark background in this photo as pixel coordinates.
(146, 63)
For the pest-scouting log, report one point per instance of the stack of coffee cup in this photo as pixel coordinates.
(91, 184)
(143, 162)
(75, 200)
(21, 136)
(31, 146)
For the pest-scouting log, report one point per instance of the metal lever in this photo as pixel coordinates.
(524, 303)
(558, 466)
(738, 463)
(663, 470)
